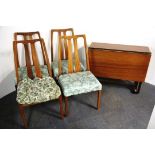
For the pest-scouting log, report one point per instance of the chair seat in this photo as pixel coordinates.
(37, 90)
(64, 67)
(78, 83)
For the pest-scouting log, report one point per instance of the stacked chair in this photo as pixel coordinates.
(34, 80)
(34, 84)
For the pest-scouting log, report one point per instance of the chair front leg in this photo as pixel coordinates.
(66, 106)
(99, 100)
(22, 115)
(61, 107)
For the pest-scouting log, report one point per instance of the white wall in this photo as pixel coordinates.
(111, 21)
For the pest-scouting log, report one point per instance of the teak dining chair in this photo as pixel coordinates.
(63, 55)
(76, 81)
(30, 36)
(37, 86)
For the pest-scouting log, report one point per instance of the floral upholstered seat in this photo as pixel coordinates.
(37, 90)
(78, 83)
(64, 67)
(22, 71)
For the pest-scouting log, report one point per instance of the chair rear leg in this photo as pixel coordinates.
(22, 115)
(66, 106)
(99, 100)
(61, 107)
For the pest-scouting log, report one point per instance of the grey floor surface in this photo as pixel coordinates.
(120, 110)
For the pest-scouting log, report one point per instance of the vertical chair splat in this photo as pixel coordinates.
(76, 56)
(70, 61)
(86, 52)
(60, 44)
(28, 60)
(65, 45)
(35, 60)
(59, 57)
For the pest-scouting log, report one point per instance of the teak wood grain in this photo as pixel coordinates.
(62, 43)
(73, 53)
(74, 60)
(119, 61)
(31, 52)
(29, 36)
(34, 54)
(120, 47)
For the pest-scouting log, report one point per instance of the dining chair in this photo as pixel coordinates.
(30, 36)
(36, 86)
(64, 50)
(76, 81)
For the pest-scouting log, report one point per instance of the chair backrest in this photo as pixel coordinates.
(73, 51)
(30, 52)
(28, 36)
(64, 50)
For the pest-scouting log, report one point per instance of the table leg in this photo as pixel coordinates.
(136, 87)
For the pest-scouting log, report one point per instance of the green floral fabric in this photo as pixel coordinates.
(64, 67)
(78, 83)
(37, 90)
(22, 71)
